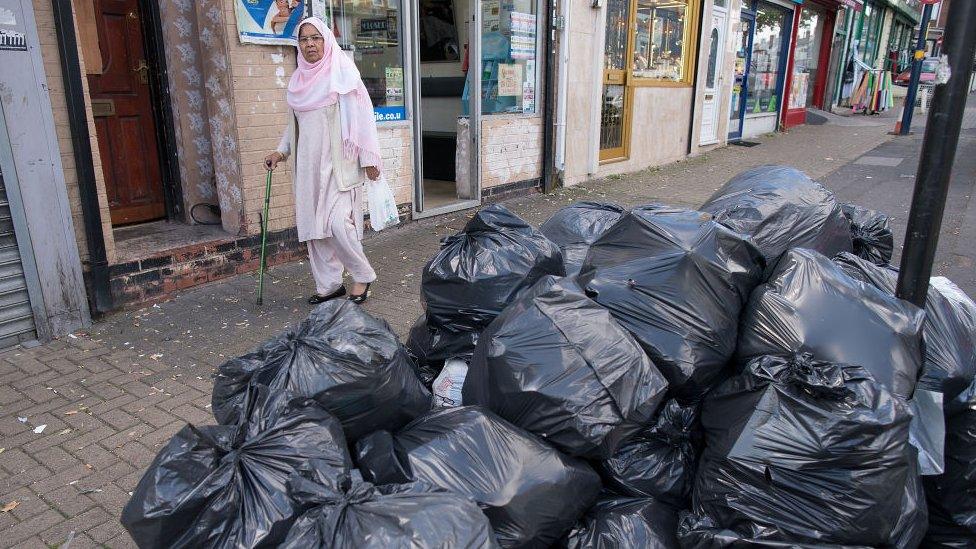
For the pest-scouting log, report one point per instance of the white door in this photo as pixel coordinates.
(711, 111)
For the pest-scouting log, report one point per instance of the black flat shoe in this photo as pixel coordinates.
(316, 298)
(361, 298)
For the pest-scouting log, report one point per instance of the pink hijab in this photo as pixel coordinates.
(335, 78)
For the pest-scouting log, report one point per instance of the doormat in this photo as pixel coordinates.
(741, 143)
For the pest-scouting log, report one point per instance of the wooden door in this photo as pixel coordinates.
(124, 121)
(615, 108)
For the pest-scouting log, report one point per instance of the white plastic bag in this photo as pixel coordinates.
(447, 387)
(382, 205)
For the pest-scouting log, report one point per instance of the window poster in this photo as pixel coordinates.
(523, 35)
(509, 80)
(491, 16)
(528, 97)
(268, 21)
(394, 85)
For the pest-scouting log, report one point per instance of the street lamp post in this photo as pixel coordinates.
(938, 154)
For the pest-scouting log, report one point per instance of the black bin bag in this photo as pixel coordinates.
(803, 451)
(558, 365)
(949, 332)
(348, 360)
(617, 523)
(478, 272)
(952, 495)
(677, 281)
(531, 493)
(659, 461)
(577, 226)
(870, 234)
(781, 208)
(225, 485)
(810, 305)
(949, 363)
(419, 345)
(346, 513)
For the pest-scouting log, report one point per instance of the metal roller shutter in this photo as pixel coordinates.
(16, 315)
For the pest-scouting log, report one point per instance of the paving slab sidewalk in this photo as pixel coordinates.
(111, 398)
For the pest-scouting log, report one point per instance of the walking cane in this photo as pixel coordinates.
(264, 238)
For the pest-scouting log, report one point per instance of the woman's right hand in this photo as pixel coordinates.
(271, 161)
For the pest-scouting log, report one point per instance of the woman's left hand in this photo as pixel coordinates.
(372, 172)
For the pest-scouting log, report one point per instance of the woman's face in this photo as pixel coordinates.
(310, 42)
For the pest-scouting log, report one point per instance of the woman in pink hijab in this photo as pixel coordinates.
(332, 139)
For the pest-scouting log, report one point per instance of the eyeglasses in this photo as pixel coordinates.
(309, 39)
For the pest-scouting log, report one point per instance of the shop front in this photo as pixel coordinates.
(809, 70)
(183, 100)
(762, 52)
(630, 85)
(906, 14)
(426, 63)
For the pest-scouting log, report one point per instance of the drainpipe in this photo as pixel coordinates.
(694, 80)
(64, 25)
(596, 105)
(565, 11)
(548, 183)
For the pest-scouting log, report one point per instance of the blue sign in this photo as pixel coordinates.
(390, 114)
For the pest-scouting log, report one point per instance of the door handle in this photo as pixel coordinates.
(143, 70)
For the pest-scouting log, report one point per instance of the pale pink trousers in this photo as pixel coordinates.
(328, 257)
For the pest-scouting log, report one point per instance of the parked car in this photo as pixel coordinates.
(929, 65)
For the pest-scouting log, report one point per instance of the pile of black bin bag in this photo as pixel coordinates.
(739, 375)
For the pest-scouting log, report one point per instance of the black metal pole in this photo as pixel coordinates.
(938, 154)
(64, 26)
(909, 108)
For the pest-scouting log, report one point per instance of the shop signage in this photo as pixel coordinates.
(389, 114)
(373, 25)
(853, 4)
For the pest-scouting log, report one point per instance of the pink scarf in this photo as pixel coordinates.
(334, 78)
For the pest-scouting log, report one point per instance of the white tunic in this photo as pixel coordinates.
(317, 196)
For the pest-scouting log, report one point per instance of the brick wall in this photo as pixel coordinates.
(44, 15)
(511, 149)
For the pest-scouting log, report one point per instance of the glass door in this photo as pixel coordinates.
(743, 59)
(446, 75)
(615, 99)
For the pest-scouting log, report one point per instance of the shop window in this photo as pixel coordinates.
(662, 48)
(509, 45)
(870, 29)
(806, 57)
(767, 52)
(371, 31)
